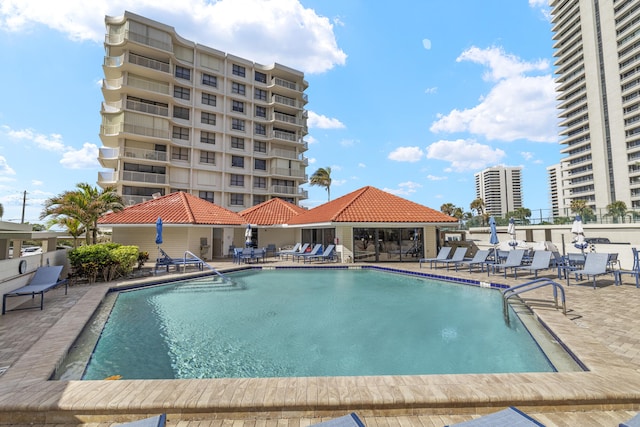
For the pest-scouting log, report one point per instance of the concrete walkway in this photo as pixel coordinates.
(601, 328)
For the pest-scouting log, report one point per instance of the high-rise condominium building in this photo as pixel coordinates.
(178, 115)
(500, 188)
(597, 51)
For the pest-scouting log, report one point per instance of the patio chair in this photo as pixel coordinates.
(317, 249)
(157, 421)
(43, 280)
(594, 265)
(349, 420)
(480, 258)
(514, 259)
(635, 270)
(541, 261)
(632, 422)
(510, 417)
(328, 254)
(299, 247)
(167, 261)
(457, 256)
(442, 255)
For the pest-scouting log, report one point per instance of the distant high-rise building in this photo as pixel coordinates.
(500, 188)
(597, 51)
(554, 174)
(178, 115)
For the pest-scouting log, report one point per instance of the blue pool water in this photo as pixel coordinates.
(311, 323)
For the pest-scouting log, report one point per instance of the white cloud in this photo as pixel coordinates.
(527, 155)
(312, 160)
(430, 90)
(406, 154)
(436, 178)
(348, 142)
(84, 158)
(254, 29)
(406, 188)
(52, 142)
(36, 182)
(310, 139)
(464, 155)
(319, 121)
(362, 165)
(5, 169)
(426, 43)
(517, 107)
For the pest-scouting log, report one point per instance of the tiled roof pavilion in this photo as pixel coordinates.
(272, 212)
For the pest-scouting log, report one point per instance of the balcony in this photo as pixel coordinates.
(149, 108)
(149, 178)
(149, 63)
(290, 173)
(106, 179)
(108, 157)
(140, 153)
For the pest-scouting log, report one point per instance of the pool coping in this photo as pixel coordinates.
(26, 394)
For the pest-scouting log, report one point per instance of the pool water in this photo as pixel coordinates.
(286, 323)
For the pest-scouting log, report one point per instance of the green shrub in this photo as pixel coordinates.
(106, 260)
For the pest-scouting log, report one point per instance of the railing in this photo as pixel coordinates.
(529, 286)
(139, 153)
(190, 256)
(151, 178)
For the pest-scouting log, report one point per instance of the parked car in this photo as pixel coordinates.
(595, 240)
(31, 250)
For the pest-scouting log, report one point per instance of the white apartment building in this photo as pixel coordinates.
(554, 174)
(597, 51)
(500, 188)
(178, 115)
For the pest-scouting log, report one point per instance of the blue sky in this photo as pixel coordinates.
(412, 97)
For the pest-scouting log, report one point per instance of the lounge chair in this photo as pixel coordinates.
(635, 270)
(350, 420)
(44, 279)
(457, 256)
(510, 417)
(514, 259)
(541, 261)
(157, 421)
(296, 249)
(632, 422)
(250, 254)
(317, 249)
(442, 255)
(594, 265)
(480, 258)
(166, 261)
(326, 255)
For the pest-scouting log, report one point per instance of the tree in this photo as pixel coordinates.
(71, 225)
(448, 208)
(322, 178)
(478, 206)
(1, 211)
(580, 207)
(523, 214)
(617, 210)
(86, 205)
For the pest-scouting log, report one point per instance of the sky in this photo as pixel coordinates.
(411, 97)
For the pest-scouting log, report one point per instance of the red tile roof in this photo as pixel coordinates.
(370, 204)
(272, 212)
(174, 208)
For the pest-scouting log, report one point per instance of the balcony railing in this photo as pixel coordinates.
(150, 178)
(288, 172)
(149, 63)
(143, 107)
(139, 153)
(149, 41)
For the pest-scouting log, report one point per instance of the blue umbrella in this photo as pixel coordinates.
(494, 233)
(158, 231)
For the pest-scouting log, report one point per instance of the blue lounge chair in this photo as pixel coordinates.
(317, 249)
(480, 258)
(43, 280)
(350, 420)
(457, 256)
(298, 248)
(635, 270)
(510, 417)
(167, 261)
(514, 259)
(633, 422)
(541, 261)
(328, 254)
(442, 255)
(157, 421)
(594, 265)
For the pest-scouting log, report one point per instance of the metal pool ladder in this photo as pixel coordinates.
(192, 256)
(529, 286)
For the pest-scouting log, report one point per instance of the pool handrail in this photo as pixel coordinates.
(535, 284)
(188, 255)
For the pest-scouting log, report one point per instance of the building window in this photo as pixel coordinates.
(260, 77)
(260, 129)
(237, 124)
(257, 199)
(208, 157)
(181, 92)
(237, 199)
(209, 99)
(206, 195)
(237, 142)
(183, 73)
(238, 70)
(207, 137)
(180, 133)
(209, 80)
(260, 94)
(260, 146)
(207, 118)
(180, 153)
(237, 180)
(259, 182)
(238, 106)
(238, 88)
(260, 164)
(261, 111)
(237, 161)
(181, 113)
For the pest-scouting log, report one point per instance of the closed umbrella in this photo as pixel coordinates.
(247, 236)
(494, 232)
(511, 229)
(159, 231)
(578, 231)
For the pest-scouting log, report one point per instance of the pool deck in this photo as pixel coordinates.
(602, 328)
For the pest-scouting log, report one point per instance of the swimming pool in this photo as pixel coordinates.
(321, 323)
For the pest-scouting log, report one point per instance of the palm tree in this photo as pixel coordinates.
(448, 208)
(617, 210)
(71, 225)
(1, 211)
(322, 178)
(86, 205)
(478, 206)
